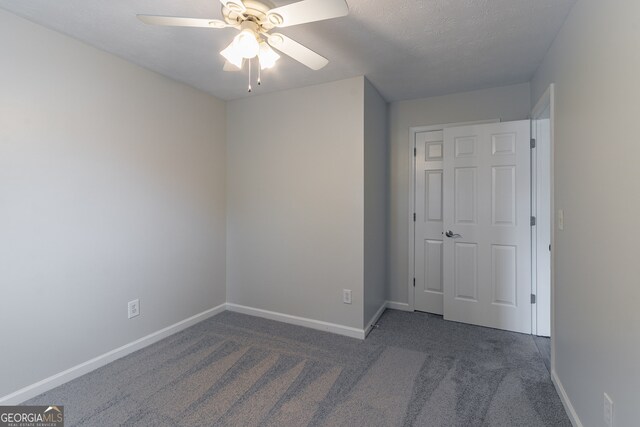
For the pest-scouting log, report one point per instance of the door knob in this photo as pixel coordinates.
(452, 235)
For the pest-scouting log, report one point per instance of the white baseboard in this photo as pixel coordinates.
(398, 306)
(566, 402)
(299, 321)
(60, 378)
(375, 318)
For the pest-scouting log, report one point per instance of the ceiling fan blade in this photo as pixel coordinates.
(307, 11)
(297, 51)
(234, 5)
(175, 21)
(228, 66)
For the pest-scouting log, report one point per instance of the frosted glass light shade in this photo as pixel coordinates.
(232, 55)
(267, 56)
(246, 44)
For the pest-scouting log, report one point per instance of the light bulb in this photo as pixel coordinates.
(246, 44)
(267, 56)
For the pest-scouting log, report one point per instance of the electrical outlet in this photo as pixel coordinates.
(608, 411)
(133, 308)
(346, 296)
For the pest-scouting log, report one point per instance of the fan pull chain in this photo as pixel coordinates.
(250, 76)
(259, 74)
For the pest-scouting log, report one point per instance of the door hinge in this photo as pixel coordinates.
(414, 282)
(414, 217)
(415, 152)
(533, 298)
(533, 143)
(533, 221)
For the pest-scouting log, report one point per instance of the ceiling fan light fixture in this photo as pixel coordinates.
(246, 42)
(232, 55)
(267, 56)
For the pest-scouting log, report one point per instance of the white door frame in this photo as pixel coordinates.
(412, 195)
(548, 100)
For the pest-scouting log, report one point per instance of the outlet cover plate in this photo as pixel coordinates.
(346, 296)
(133, 308)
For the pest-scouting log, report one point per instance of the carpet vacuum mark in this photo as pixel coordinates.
(234, 369)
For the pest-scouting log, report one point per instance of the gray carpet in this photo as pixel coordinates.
(233, 369)
(544, 347)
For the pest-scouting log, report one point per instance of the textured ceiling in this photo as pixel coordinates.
(407, 48)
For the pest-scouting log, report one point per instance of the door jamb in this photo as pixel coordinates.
(412, 195)
(548, 99)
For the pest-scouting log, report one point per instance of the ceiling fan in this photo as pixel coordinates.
(255, 20)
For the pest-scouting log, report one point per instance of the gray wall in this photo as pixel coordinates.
(295, 223)
(506, 103)
(376, 200)
(595, 64)
(111, 188)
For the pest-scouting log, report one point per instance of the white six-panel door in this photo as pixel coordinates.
(486, 260)
(428, 291)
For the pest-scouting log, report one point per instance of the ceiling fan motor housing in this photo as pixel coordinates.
(256, 12)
